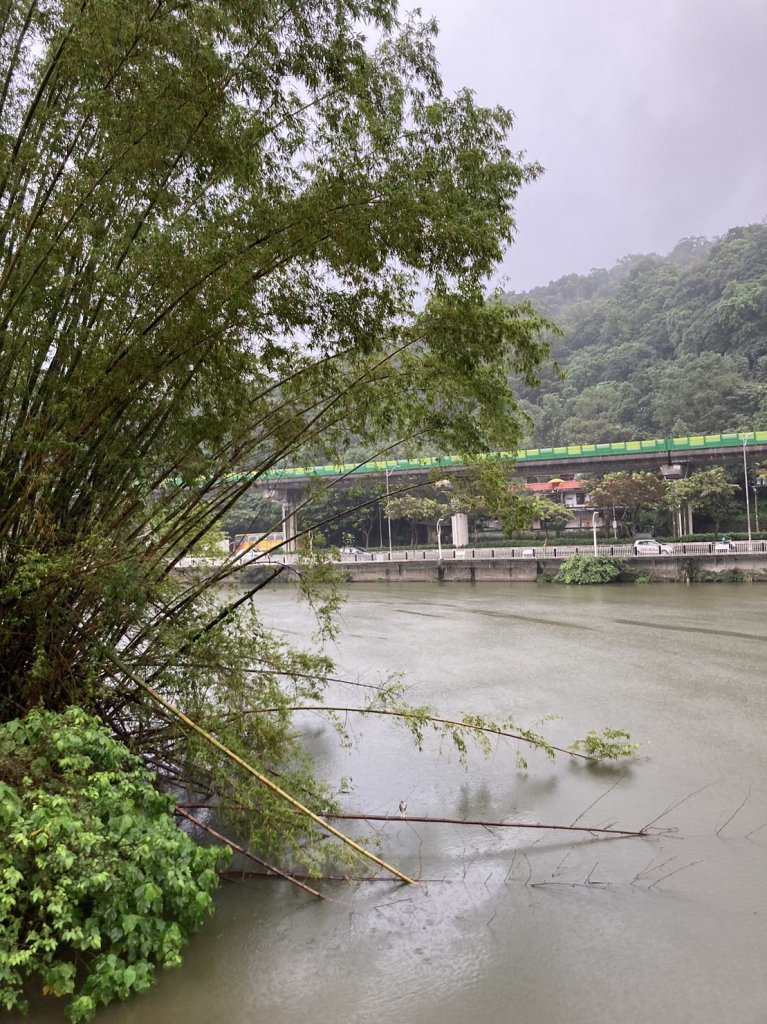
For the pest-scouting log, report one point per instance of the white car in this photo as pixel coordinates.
(355, 554)
(652, 547)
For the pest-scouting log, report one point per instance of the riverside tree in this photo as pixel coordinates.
(231, 232)
(218, 222)
(628, 493)
(708, 492)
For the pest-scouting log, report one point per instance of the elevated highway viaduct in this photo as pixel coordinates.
(673, 457)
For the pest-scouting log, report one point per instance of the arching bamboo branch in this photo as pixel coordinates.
(434, 720)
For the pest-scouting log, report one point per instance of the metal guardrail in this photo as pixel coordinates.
(559, 551)
(545, 551)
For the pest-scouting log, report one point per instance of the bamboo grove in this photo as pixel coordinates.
(232, 233)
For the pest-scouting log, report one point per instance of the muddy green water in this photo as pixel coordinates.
(519, 925)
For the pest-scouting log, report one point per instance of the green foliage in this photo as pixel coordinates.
(485, 486)
(415, 510)
(728, 576)
(691, 572)
(251, 513)
(658, 347)
(707, 387)
(609, 745)
(345, 514)
(553, 515)
(488, 477)
(234, 234)
(97, 884)
(586, 569)
(707, 492)
(628, 494)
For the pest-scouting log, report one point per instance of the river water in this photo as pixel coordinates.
(516, 924)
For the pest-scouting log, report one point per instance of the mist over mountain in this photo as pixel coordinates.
(657, 346)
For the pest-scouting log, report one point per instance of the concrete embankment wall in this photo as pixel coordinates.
(666, 568)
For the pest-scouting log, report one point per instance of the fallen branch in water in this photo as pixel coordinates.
(270, 868)
(488, 824)
(739, 808)
(643, 832)
(678, 803)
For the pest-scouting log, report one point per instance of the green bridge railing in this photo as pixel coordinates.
(575, 452)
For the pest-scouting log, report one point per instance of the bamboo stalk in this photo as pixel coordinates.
(271, 869)
(253, 772)
(425, 820)
(487, 824)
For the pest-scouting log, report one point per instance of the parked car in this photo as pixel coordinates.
(351, 553)
(652, 547)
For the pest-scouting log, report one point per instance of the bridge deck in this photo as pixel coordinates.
(567, 458)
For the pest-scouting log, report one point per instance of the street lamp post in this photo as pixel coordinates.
(594, 515)
(439, 538)
(388, 513)
(756, 508)
(745, 487)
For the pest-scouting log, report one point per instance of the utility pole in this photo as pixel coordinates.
(745, 485)
(388, 513)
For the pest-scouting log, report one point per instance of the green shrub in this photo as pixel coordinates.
(585, 569)
(97, 884)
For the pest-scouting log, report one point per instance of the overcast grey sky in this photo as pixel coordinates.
(650, 117)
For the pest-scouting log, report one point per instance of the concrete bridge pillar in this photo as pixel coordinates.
(459, 524)
(683, 521)
(289, 526)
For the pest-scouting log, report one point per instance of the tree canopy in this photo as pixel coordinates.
(628, 493)
(219, 226)
(233, 234)
(707, 492)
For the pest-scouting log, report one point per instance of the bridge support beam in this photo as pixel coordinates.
(459, 524)
(683, 521)
(289, 526)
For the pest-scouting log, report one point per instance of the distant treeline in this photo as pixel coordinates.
(657, 346)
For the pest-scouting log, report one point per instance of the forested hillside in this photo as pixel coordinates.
(658, 346)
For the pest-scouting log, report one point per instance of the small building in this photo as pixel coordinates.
(573, 494)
